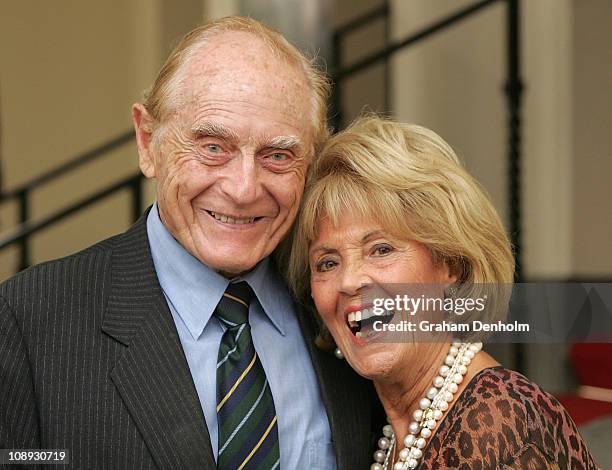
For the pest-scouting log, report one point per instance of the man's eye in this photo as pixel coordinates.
(213, 148)
(279, 157)
(325, 265)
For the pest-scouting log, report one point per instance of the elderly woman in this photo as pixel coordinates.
(390, 203)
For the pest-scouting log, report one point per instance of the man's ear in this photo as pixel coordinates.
(144, 125)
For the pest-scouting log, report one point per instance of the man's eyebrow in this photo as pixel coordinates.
(286, 142)
(212, 129)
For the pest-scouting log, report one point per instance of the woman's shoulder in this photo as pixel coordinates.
(503, 393)
(503, 417)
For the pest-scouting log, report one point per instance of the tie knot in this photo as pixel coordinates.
(233, 308)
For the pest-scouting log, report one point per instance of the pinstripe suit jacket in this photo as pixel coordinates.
(90, 361)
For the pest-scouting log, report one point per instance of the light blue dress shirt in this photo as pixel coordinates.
(192, 291)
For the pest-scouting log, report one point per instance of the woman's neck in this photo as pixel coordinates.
(401, 392)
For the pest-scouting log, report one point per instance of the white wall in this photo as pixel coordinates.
(592, 144)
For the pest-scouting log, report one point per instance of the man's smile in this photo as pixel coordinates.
(233, 219)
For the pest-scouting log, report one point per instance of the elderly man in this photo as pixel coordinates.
(176, 345)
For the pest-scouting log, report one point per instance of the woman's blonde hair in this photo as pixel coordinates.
(410, 180)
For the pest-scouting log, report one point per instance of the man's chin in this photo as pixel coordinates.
(219, 263)
(235, 253)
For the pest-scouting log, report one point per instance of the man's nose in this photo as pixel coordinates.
(242, 180)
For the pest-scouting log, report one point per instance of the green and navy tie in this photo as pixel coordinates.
(248, 432)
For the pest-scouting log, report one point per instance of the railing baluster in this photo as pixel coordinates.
(24, 215)
(336, 105)
(136, 189)
(387, 71)
(514, 90)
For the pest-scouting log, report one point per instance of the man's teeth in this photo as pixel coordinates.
(232, 220)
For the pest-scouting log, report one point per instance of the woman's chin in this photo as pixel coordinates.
(372, 365)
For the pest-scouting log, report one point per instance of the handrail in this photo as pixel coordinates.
(362, 20)
(68, 166)
(28, 228)
(22, 192)
(419, 35)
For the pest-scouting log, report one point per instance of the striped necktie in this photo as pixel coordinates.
(248, 432)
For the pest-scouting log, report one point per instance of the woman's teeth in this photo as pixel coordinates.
(357, 321)
(364, 335)
(360, 315)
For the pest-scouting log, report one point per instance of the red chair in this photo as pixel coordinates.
(592, 364)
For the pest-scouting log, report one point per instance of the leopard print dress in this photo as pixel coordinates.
(502, 420)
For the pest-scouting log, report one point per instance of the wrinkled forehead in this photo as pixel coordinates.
(240, 67)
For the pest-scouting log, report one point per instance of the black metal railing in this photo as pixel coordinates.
(22, 233)
(513, 86)
(513, 89)
(383, 13)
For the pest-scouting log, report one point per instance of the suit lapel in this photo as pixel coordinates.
(152, 376)
(347, 399)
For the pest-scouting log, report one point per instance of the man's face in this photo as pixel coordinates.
(230, 160)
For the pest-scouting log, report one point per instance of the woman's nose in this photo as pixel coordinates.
(353, 279)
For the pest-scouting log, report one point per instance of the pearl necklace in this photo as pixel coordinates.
(431, 409)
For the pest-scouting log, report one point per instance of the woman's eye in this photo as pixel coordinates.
(382, 249)
(325, 265)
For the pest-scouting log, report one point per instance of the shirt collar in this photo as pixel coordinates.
(271, 293)
(194, 290)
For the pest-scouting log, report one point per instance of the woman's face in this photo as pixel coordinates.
(347, 262)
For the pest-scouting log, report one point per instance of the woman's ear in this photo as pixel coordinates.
(454, 272)
(451, 278)
(143, 126)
